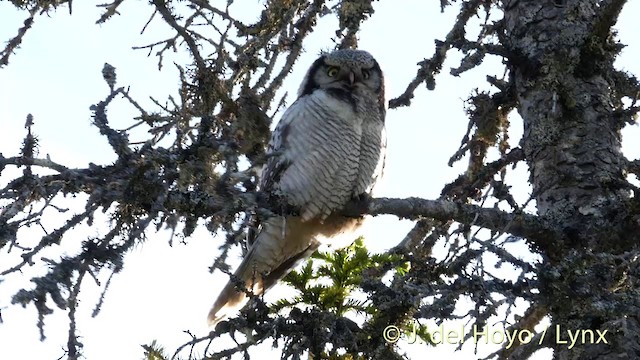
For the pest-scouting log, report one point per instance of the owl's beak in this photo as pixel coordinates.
(350, 77)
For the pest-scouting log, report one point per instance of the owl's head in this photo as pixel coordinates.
(345, 70)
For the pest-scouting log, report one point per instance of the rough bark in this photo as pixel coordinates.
(562, 67)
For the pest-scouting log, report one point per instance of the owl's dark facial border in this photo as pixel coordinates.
(311, 85)
(380, 89)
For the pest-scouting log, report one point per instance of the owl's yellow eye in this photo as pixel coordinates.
(333, 71)
(365, 74)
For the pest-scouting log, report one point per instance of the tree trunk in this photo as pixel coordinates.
(562, 67)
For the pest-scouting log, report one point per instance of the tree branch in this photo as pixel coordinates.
(521, 225)
(170, 19)
(22, 161)
(431, 67)
(13, 44)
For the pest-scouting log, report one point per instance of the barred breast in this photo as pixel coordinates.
(323, 149)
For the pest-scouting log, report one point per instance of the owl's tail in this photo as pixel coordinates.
(232, 299)
(278, 248)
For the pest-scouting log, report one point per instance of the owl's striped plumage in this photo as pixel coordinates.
(327, 149)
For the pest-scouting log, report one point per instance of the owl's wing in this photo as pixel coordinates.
(271, 172)
(276, 162)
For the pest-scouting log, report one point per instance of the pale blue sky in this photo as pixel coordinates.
(55, 75)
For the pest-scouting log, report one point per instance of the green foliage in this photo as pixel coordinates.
(154, 351)
(329, 279)
(414, 331)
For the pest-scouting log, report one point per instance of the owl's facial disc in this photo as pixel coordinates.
(350, 71)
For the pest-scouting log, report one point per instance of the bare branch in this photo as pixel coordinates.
(20, 161)
(110, 10)
(431, 67)
(522, 225)
(169, 18)
(13, 44)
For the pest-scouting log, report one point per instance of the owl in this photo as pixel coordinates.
(327, 149)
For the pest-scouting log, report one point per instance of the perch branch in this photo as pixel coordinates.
(521, 225)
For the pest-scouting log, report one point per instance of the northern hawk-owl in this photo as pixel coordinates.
(327, 149)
